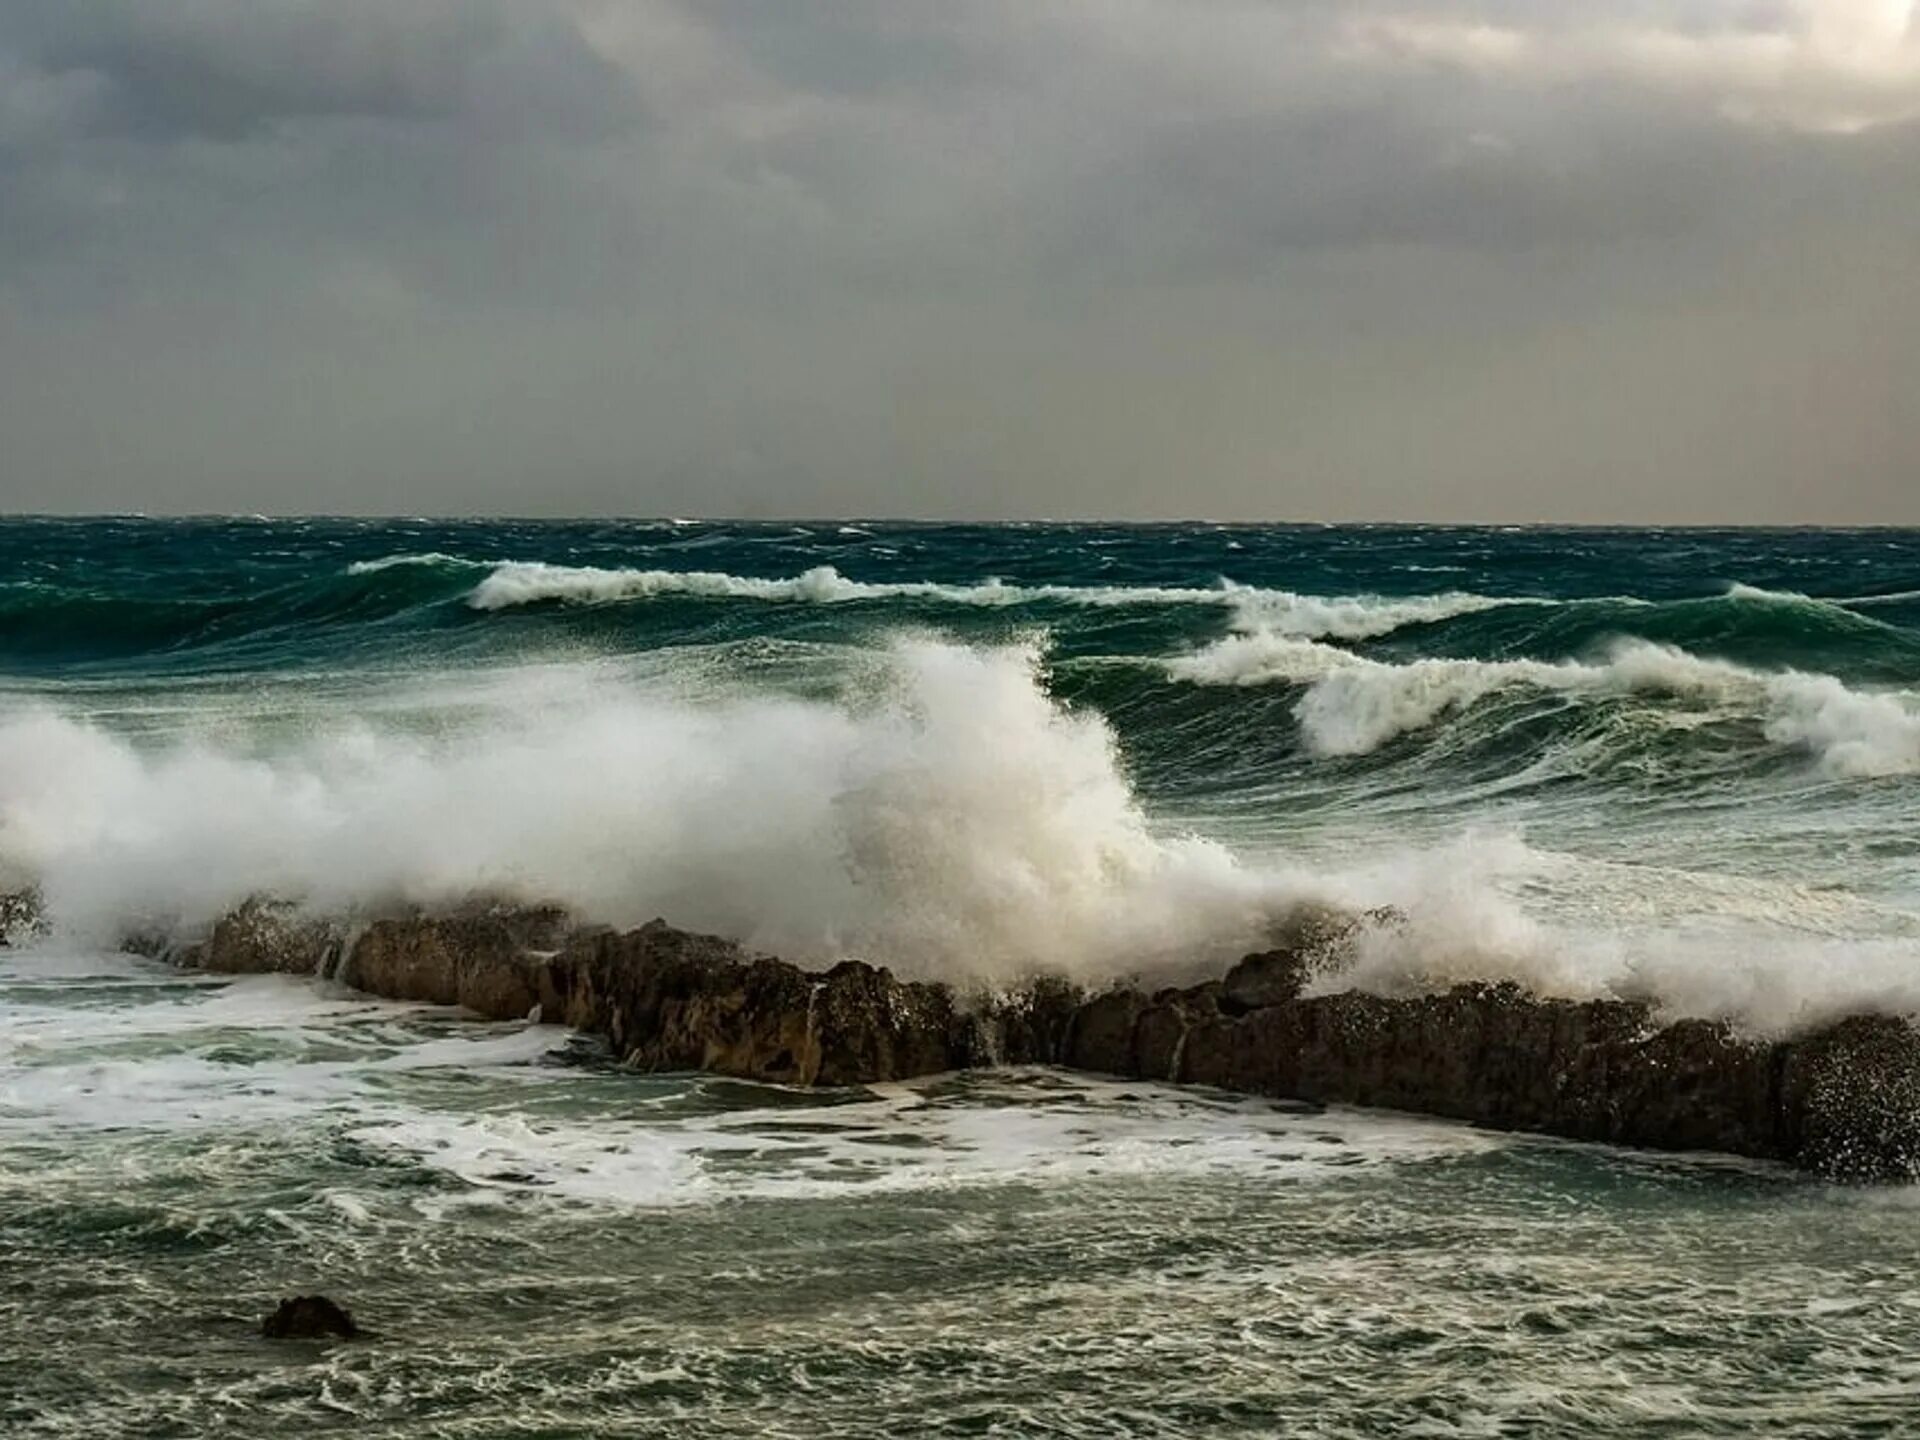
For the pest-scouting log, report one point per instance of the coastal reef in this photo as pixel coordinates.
(1842, 1101)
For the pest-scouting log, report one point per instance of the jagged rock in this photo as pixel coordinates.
(1852, 1096)
(1027, 1027)
(489, 959)
(1844, 1101)
(1101, 1037)
(1313, 941)
(309, 1317)
(670, 1000)
(20, 914)
(266, 936)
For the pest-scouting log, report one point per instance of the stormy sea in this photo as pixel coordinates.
(1680, 767)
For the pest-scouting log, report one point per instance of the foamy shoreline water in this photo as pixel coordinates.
(526, 1236)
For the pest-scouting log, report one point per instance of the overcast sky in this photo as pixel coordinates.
(1623, 260)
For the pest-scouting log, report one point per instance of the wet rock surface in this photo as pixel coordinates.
(20, 915)
(1843, 1101)
(309, 1317)
(269, 936)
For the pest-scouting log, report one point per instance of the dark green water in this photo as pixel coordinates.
(1671, 764)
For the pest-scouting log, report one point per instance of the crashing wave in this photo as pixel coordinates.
(1354, 704)
(961, 822)
(1350, 617)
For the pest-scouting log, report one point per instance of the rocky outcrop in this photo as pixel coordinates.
(1849, 1097)
(664, 999)
(1843, 1101)
(309, 1317)
(268, 937)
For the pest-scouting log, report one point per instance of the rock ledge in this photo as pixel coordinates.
(1843, 1101)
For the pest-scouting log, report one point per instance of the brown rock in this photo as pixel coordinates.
(20, 914)
(1850, 1100)
(1101, 1037)
(1843, 1102)
(309, 1317)
(1273, 977)
(265, 936)
(486, 959)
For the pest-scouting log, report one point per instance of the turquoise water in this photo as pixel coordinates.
(1679, 765)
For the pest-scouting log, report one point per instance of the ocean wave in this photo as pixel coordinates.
(1837, 607)
(1354, 704)
(947, 817)
(954, 821)
(1357, 617)
(394, 562)
(1352, 617)
(1770, 955)
(957, 822)
(1893, 597)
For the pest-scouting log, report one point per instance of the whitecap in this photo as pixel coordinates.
(513, 583)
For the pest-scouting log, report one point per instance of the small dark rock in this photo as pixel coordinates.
(309, 1317)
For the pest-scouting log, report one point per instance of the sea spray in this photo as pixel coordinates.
(961, 821)
(1352, 704)
(1590, 762)
(190, 708)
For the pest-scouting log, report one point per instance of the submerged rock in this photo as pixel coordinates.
(309, 1317)
(1843, 1101)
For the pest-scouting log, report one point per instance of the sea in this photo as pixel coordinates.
(1678, 766)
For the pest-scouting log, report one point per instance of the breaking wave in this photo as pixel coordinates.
(1354, 704)
(715, 725)
(956, 823)
(961, 823)
(369, 602)
(1353, 617)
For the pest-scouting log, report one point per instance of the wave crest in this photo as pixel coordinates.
(430, 558)
(961, 823)
(1353, 704)
(952, 820)
(1350, 617)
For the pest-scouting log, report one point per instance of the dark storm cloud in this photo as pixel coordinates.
(1236, 256)
(221, 70)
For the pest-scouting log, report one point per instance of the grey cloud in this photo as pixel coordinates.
(225, 69)
(1382, 257)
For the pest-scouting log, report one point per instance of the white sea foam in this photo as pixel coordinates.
(1351, 617)
(1354, 704)
(1842, 607)
(903, 1140)
(946, 817)
(957, 821)
(391, 562)
(1739, 591)
(160, 1056)
(1769, 954)
(1354, 617)
(1894, 597)
(228, 1065)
